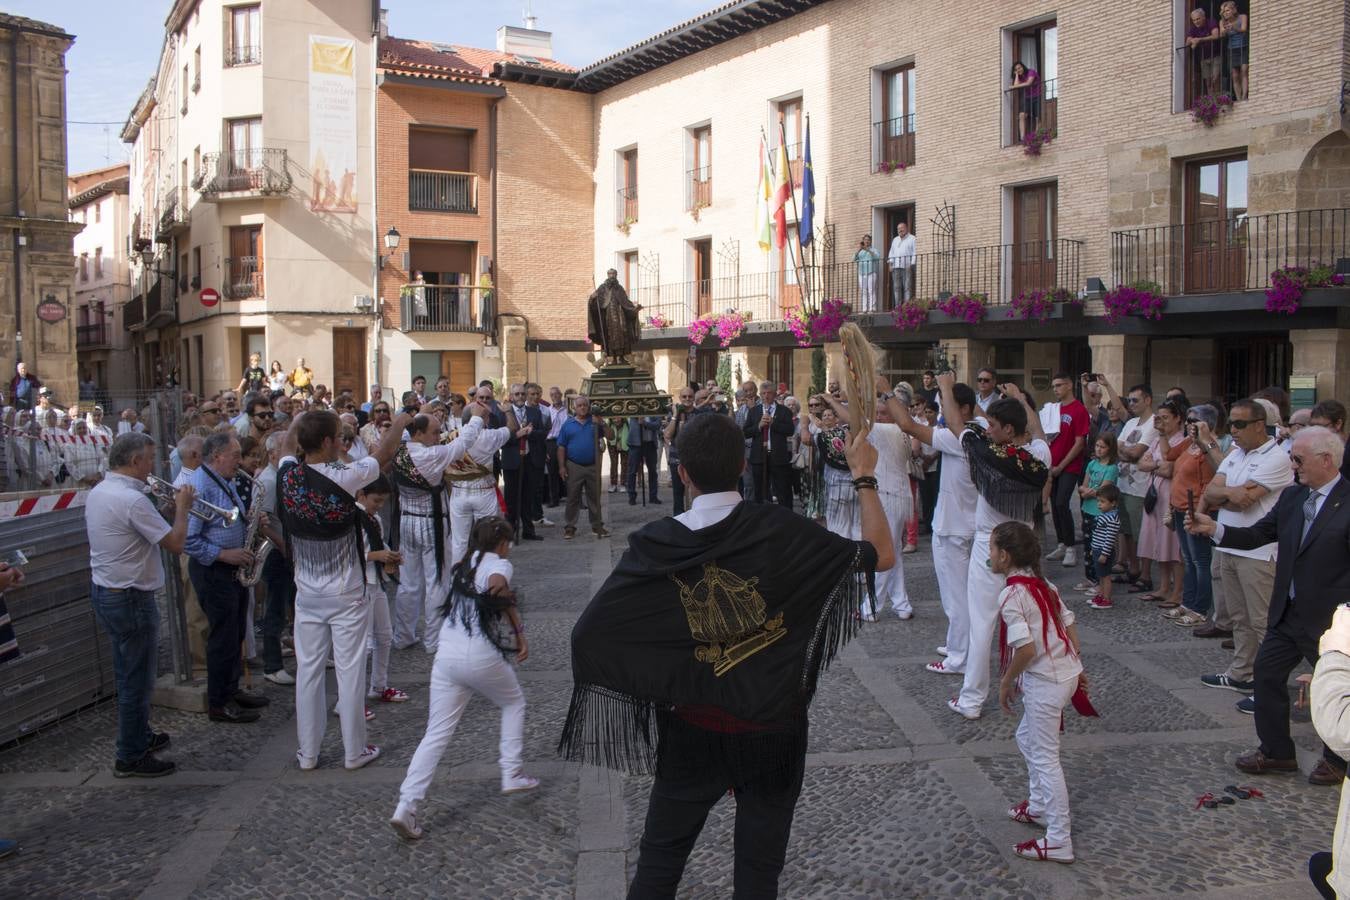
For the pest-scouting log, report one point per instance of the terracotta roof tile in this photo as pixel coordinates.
(451, 62)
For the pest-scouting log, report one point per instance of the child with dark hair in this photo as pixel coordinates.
(381, 566)
(1038, 650)
(481, 630)
(1102, 551)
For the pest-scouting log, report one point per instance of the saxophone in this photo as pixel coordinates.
(255, 541)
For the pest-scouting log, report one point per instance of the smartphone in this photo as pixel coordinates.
(1190, 502)
(1095, 377)
(14, 558)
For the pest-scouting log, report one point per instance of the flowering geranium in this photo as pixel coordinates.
(729, 327)
(657, 320)
(799, 326)
(1288, 283)
(1207, 107)
(889, 166)
(970, 307)
(1143, 298)
(1035, 142)
(825, 324)
(910, 315)
(1038, 304)
(700, 327)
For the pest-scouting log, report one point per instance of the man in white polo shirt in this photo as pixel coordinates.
(1246, 486)
(1139, 432)
(125, 534)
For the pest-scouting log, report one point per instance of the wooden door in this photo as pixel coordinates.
(349, 361)
(1033, 250)
(790, 133)
(893, 217)
(460, 367)
(897, 126)
(252, 340)
(702, 250)
(1215, 231)
(700, 178)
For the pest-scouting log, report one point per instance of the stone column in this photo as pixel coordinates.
(1324, 353)
(1119, 357)
(515, 361)
(671, 369)
(969, 357)
(801, 374)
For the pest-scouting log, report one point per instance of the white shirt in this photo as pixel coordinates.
(488, 564)
(986, 517)
(957, 497)
(559, 414)
(184, 476)
(1268, 466)
(351, 477)
(901, 254)
(893, 452)
(709, 509)
(1131, 480)
(124, 534)
(432, 461)
(1024, 622)
(985, 401)
(358, 450)
(490, 440)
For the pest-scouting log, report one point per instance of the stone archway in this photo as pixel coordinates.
(1324, 176)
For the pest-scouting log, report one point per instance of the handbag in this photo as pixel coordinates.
(1151, 497)
(916, 469)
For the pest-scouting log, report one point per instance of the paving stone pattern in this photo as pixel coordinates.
(901, 798)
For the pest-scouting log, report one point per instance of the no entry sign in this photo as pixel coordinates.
(209, 296)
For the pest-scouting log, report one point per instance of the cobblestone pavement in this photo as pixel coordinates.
(902, 798)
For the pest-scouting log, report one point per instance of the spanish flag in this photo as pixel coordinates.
(782, 194)
(762, 190)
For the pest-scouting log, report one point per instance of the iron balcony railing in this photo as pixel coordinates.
(1000, 272)
(1042, 110)
(243, 55)
(1202, 70)
(625, 206)
(1232, 254)
(245, 172)
(133, 313)
(893, 143)
(447, 307)
(698, 192)
(159, 302)
(244, 277)
(794, 156)
(437, 190)
(173, 213)
(89, 337)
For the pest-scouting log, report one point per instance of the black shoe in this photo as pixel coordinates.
(1247, 706)
(145, 767)
(250, 699)
(158, 741)
(632, 501)
(656, 500)
(232, 714)
(532, 537)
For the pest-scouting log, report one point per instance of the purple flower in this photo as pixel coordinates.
(1142, 298)
(970, 307)
(911, 316)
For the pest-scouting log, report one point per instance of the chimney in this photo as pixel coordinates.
(384, 24)
(525, 41)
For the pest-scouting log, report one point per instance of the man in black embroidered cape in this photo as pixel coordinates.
(699, 657)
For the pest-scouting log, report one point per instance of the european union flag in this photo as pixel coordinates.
(805, 231)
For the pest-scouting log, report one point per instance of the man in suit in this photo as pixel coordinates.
(1311, 522)
(770, 422)
(518, 471)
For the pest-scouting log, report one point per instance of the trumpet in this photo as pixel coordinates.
(207, 512)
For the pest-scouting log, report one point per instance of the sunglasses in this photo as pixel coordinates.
(1131, 401)
(1192, 421)
(985, 380)
(1239, 424)
(261, 413)
(381, 409)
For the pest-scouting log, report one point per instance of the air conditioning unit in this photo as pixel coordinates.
(362, 302)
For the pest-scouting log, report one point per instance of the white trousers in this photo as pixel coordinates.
(340, 623)
(465, 665)
(466, 508)
(867, 293)
(420, 592)
(891, 583)
(1043, 703)
(381, 638)
(982, 590)
(951, 563)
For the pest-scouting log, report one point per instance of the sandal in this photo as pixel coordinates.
(1173, 612)
(1140, 587)
(1168, 604)
(1151, 598)
(1209, 801)
(1189, 619)
(1243, 792)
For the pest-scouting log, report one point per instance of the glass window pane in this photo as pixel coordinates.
(1237, 187)
(909, 97)
(1050, 69)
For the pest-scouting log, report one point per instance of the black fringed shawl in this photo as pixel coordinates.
(320, 522)
(1007, 476)
(407, 475)
(703, 648)
(480, 611)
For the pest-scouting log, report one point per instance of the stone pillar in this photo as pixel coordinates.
(834, 363)
(754, 364)
(969, 356)
(671, 369)
(1119, 357)
(515, 362)
(801, 374)
(1324, 353)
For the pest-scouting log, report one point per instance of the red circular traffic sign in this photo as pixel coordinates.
(209, 296)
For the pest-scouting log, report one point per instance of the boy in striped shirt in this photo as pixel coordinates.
(1105, 530)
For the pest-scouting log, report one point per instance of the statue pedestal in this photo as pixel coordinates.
(624, 390)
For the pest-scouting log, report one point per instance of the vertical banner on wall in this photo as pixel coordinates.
(332, 124)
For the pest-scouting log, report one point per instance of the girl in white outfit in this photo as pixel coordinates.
(1040, 652)
(481, 630)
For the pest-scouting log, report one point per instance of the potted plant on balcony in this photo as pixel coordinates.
(911, 315)
(627, 224)
(658, 321)
(1208, 107)
(1142, 298)
(800, 326)
(964, 307)
(1040, 303)
(730, 325)
(699, 205)
(826, 323)
(887, 166)
(1288, 283)
(700, 328)
(1037, 140)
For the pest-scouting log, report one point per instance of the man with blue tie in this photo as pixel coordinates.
(1311, 522)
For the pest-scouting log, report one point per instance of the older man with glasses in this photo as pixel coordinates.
(1138, 433)
(1330, 414)
(986, 388)
(684, 408)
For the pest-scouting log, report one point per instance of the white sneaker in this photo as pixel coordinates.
(368, 756)
(1070, 557)
(940, 668)
(513, 784)
(404, 822)
(613, 488)
(1040, 849)
(545, 521)
(942, 651)
(904, 614)
(955, 707)
(280, 676)
(1057, 553)
(306, 764)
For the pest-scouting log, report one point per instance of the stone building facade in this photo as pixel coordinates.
(99, 203)
(35, 231)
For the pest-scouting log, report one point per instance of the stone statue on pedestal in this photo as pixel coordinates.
(612, 320)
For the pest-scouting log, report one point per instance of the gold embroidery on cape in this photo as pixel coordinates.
(727, 612)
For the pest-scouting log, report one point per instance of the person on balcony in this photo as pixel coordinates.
(1027, 83)
(1233, 28)
(867, 260)
(1202, 40)
(900, 259)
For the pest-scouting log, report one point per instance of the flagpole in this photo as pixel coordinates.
(792, 194)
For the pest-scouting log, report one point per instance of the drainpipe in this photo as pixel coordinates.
(376, 304)
(14, 147)
(494, 171)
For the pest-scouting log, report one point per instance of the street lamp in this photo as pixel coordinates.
(148, 262)
(391, 239)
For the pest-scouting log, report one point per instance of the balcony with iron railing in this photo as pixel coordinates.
(241, 174)
(625, 206)
(243, 277)
(93, 336)
(160, 308)
(795, 163)
(1229, 255)
(999, 271)
(173, 217)
(133, 313)
(1039, 103)
(893, 144)
(442, 307)
(698, 188)
(1199, 71)
(242, 55)
(439, 190)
